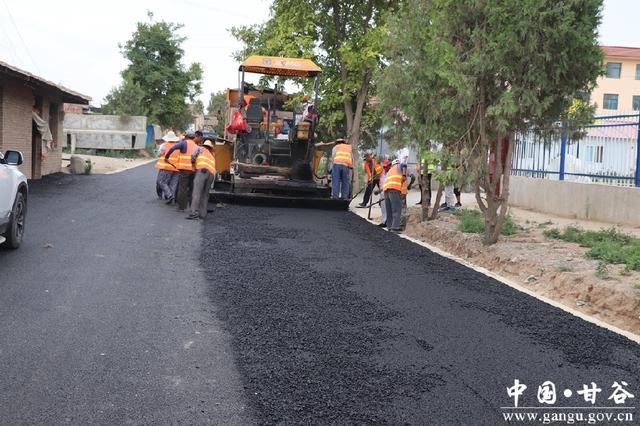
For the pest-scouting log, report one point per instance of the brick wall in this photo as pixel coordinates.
(16, 120)
(16, 124)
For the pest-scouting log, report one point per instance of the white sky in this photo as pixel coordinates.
(75, 42)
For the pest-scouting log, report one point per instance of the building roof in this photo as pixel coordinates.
(287, 67)
(621, 52)
(68, 95)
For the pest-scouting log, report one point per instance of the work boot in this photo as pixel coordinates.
(193, 216)
(169, 201)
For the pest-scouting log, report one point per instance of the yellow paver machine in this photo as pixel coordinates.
(269, 151)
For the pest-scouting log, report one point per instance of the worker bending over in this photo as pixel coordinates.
(374, 171)
(167, 181)
(342, 162)
(204, 163)
(185, 167)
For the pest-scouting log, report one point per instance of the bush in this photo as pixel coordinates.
(472, 222)
(608, 252)
(605, 245)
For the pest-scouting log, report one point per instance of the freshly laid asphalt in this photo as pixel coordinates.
(104, 313)
(116, 310)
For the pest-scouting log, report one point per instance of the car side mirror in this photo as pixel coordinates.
(13, 158)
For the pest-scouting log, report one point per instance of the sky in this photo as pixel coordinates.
(75, 42)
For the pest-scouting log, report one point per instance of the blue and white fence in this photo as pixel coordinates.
(609, 153)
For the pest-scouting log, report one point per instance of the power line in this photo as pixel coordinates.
(15, 56)
(20, 35)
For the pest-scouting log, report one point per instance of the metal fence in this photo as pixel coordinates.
(607, 153)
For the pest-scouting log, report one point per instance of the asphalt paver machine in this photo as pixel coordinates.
(275, 157)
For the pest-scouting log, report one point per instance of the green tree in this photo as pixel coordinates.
(471, 74)
(197, 107)
(217, 107)
(156, 83)
(345, 38)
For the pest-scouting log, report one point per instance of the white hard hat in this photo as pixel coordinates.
(170, 137)
(394, 162)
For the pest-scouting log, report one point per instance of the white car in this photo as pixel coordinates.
(13, 199)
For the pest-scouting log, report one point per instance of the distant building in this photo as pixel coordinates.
(618, 91)
(31, 115)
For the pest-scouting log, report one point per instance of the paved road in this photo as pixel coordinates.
(104, 314)
(266, 315)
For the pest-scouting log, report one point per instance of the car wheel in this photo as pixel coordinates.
(15, 232)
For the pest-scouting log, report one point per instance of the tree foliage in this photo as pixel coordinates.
(345, 38)
(156, 83)
(470, 74)
(217, 107)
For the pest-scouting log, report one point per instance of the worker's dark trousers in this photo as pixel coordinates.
(168, 181)
(340, 181)
(185, 185)
(200, 197)
(393, 200)
(369, 190)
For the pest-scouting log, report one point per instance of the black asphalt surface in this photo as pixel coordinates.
(104, 313)
(116, 310)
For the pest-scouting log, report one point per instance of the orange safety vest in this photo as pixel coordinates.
(376, 167)
(205, 160)
(393, 180)
(405, 187)
(162, 164)
(343, 155)
(184, 159)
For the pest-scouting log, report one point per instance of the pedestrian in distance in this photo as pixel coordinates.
(186, 148)
(204, 164)
(392, 189)
(373, 170)
(342, 163)
(167, 180)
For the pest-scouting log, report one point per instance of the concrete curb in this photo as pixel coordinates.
(631, 336)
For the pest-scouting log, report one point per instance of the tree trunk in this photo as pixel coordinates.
(425, 194)
(355, 123)
(436, 203)
(498, 191)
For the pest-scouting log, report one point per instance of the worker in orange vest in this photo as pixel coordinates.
(204, 163)
(342, 162)
(386, 164)
(373, 170)
(167, 181)
(185, 167)
(392, 189)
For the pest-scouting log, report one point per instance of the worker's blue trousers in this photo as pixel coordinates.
(340, 181)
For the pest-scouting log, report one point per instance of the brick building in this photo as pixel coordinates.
(23, 98)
